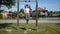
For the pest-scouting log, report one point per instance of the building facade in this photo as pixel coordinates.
(42, 11)
(5, 14)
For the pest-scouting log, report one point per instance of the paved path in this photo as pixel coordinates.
(31, 21)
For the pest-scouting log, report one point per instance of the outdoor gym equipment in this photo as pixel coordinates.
(27, 20)
(27, 10)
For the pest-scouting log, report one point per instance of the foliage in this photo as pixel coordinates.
(30, 12)
(56, 12)
(21, 15)
(22, 10)
(7, 3)
(1, 11)
(34, 13)
(1, 16)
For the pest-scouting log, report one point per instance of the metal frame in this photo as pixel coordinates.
(18, 14)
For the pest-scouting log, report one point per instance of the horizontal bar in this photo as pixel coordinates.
(28, 0)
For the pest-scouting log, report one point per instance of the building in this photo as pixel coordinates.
(55, 14)
(5, 14)
(42, 11)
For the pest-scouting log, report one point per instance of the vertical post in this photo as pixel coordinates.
(36, 13)
(17, 14)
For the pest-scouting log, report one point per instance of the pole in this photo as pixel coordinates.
(17, 14)
(36, 13)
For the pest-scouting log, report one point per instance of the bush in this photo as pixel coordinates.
(21, 15)
(1, 16)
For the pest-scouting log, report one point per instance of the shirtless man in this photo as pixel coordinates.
(27, 12)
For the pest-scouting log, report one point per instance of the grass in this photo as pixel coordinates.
(42, 29)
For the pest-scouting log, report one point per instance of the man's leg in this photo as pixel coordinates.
(27, 21)
(27, 18)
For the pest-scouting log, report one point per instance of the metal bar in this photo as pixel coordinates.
(27, 0)
(36, 12)
(17, 14)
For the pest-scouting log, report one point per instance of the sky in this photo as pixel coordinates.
(51, 5)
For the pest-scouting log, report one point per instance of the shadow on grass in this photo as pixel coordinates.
(4, 25)
(58, 24)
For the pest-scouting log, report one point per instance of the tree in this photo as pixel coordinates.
(7, 3)
(21, 13)
(34, 13)
(1, 11)
(1, 16)
(22, 10)
(30, 12)
(50, 13)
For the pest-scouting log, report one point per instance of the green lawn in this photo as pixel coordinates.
(42, 29)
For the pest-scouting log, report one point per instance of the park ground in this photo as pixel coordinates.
(46, 28)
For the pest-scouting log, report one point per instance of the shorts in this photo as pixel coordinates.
(27, 16)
